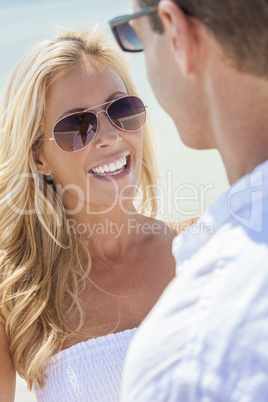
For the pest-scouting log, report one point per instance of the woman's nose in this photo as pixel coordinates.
(107, 134)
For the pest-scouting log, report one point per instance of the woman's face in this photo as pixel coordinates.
(87, 179)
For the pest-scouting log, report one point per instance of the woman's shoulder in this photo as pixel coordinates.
(164, 227)
(178, 226)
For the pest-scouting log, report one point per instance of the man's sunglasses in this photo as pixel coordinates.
(75, 131)
(124, 34)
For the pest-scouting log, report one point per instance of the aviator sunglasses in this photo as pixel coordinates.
(75, 131)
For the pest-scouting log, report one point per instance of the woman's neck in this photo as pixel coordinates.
(111, 234)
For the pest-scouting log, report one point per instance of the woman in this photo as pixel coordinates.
(80, 267)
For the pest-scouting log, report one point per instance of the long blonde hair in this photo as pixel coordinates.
(42, 262)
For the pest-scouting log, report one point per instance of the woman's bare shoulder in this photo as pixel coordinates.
(7, 371)
(178, 226)
(163, 227)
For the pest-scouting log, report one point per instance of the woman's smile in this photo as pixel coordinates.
(116, 169)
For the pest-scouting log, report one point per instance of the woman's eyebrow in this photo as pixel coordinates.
(111, 97)
(81, 109)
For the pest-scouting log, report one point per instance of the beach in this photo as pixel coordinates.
(22, 393)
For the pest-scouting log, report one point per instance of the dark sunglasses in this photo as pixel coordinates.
(124, 34)
(75, 131)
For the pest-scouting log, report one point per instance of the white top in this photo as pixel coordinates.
(87, 371)
(207, 337)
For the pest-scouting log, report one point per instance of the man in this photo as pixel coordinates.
(207, 337)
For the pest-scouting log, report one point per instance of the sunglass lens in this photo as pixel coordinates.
(127, 113)
(127, 38)
(75, 131)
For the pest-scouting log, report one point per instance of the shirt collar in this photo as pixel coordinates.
(241, 204)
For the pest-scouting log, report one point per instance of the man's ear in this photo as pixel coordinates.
(40, 163)
(180, 35)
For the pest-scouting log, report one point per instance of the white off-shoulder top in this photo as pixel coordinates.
(87, 371)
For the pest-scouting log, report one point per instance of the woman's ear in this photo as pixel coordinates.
(40, 163)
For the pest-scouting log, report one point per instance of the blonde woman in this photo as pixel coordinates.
(80, 267)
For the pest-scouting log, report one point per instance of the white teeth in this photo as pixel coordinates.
(118, 164)
(111, 167)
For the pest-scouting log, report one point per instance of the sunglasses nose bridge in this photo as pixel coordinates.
(106, 114)
(102, 111)
(107, 134)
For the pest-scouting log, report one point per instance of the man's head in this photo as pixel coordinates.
(187, 43)
(240, 27)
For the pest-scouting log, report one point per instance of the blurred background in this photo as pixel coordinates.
(190, 180)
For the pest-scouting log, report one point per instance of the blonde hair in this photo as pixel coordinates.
(43, 264)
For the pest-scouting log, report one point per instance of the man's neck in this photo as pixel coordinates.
(239, 117)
